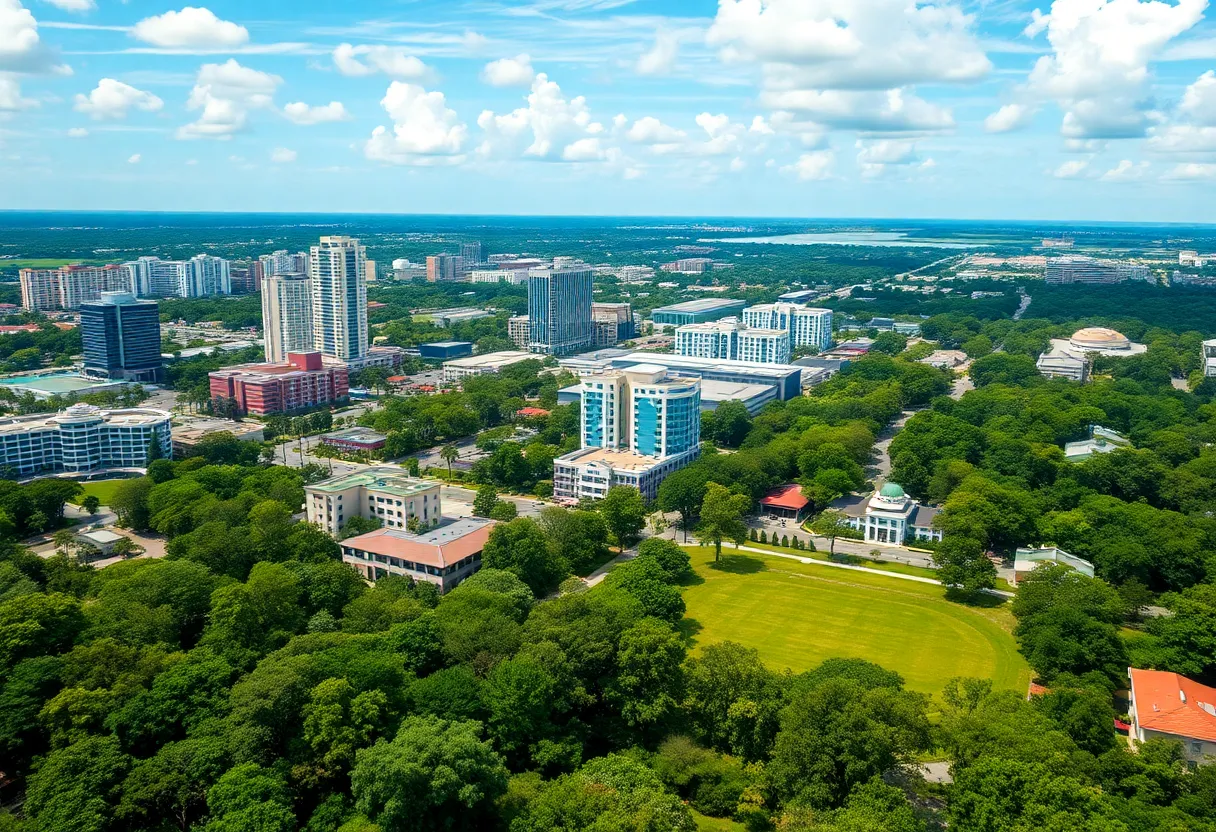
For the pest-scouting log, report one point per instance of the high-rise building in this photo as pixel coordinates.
(246, 277)
(559, 310)
(199, 276)
(470, 255)
(370, 270)
(441, 268)
(287, 315)
(519, 331)
(339, 298)
(47, 290)
(121, 337)
(613, 323)
(208, 275)
(283, 262)
(639, 424)
(729, 340)
(807, 326)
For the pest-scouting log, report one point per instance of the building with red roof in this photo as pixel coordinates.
(443, 555)
(786, 501)
(529, 412)
(1168, 706)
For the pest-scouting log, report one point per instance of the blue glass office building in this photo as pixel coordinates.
(121, 338)
(559, 311)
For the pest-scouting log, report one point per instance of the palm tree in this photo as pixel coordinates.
(449, 454)
(64, 538)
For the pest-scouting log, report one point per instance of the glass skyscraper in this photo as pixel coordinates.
(559, 310)
(121, 337)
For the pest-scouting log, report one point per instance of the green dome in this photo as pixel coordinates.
(891, 490)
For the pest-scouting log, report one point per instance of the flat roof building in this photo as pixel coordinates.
(443, 555)
(121, 338)
(786, 379)
(1027, 560)
(731, 340)
(807, 326)
(387, 494)
(445, 350)
(485, 364)
(303, 381)
(1101, 441)
(697, 311)
(357, 439)
(82, 439)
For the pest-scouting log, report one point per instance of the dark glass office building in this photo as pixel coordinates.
(121, 337)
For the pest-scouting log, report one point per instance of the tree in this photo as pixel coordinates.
(831, 524)
(91, 503)
(63, 538)
(1188, 634)
(76, 788)
(722, 518)
(484, 502)
(963, 565)
(449, 454)
(173, 784)
(730, 424)
(733, 700)
(249, 797)
(684, 491)
(648, 685)
(358, 525)
(433, 775)
(672, 558)
(520, 547)
(580, 537)
(624, 511)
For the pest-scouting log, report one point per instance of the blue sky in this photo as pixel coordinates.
(1077, 109)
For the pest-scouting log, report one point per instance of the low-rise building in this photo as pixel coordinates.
(264, 389)
(1168, 706)
(102, 540)
(386, 494)
(945, 359)
(83, 438)
(186, 437)
(385, 357)
(786, 502)
(443, 555)
(1101, 441)
(479, 365)
(355, 440)
(889, 517)
(696, 311)
(590, 472)
(785, 379)
(1063, 365)
(1209, 358)
(1026, 560)
(445, 350)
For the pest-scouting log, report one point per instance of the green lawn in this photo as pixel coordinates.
(798, 614)
(104, 489)
(708, 824)
(44, 263)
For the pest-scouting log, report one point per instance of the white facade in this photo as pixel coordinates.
(83, 438)
(200, 276)
(286, 315)
(338, 273)
(889, 517)
(1209, 358)
(386, 494)
(208, 276)
(807, 326)
(480, 365)
(727, 339)
(283, 262)
(46, 290)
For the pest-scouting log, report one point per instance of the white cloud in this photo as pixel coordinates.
(112, 99)
(1009, 117)
(424, 130)
(584, 150)
(282, 156)
(1183, 139)
(1199, 100)
(301, 113)
(813, 166)
(387, 60)
(10, 96)
(77, 133)
(191, 28)
(1192, 171)
(894, 110)
(73, 5)
(874, 156)
(1125, 171)
(509, 72)
(134, 159)
(737, 164)
(1099, 66)
(1072, 169)
(660, 59)
(225, 93)
(649, 130)
(21, 49)
(760, 126)
(543, 129)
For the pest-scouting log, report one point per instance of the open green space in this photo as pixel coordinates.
(708, 824)
(45, 263)
(798, 614)
(104, 489)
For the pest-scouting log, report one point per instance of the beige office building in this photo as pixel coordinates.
(386, 494)
(286, 315)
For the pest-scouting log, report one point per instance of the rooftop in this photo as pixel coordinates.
(490, 359)
(131, 417)
(389, 480)
(700, 305)
(356, 434)
(618, 460)
(449, 542)
(1173, 704)
(101, 536)
(786, 496)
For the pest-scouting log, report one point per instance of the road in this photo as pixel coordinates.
(1017, 316)
(880, 466)
(457, 501)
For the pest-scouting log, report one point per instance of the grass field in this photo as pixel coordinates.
(798, 614)
(43, 263)
(708, 824)
(104, 489)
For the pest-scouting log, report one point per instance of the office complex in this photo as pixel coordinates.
(1076, 269)
(121, 337)
(482, 365)
(441, 268)
(300, 382)
(470, 256)
(689, 265)
(199, 276)
(384, 494)
(697, 311)
(283, 262)
(785, 379)
(613, 323)
(336, 268)
(286, 315)
(639, 424)
(516, 277)
(83, 438)
(519, 331)
(729, 339)
(559, 310)
(807, 326)
(48, 290)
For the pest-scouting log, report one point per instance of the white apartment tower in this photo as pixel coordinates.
(727, 339)
(199, 276)
(808, 326)
(286, 315)
(338, 274)
(283, 262)
(207, 275)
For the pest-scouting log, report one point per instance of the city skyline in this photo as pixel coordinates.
(1099, 110)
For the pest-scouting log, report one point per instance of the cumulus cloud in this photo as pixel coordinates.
(811, 167)
(589, 149)
(1199, 100)
(225, 93)
(509, 72)
(1187, 139)
(649, 130)
(660, 59)
(359, 61)
(134, 159)
(21, 48)
(1072, 169)
(191, 28)
(282, 156)
(1192, 171)
(73, 5)
(1125, 171)
(1009, 117)
(424, 130)
(301, 113)
(113, 99)
(10, 96)
(543, 129)
(896, 110)
(1099, 66)
(873, 157)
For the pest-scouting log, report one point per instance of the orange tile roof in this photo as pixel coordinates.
(1173, 704)
(531, 411)
(787, 496)
(438, 547)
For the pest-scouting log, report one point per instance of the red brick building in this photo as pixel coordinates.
(262, 389)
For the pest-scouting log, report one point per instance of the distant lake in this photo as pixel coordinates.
(883, 239)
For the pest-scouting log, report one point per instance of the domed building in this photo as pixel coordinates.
(889, 516)
(1099, 339)
(1071, 357)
